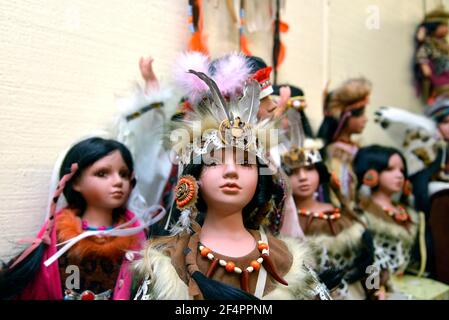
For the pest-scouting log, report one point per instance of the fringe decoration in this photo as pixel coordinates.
(197, 40)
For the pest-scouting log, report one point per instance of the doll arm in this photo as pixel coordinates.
(422, 58)
(391, 116)
(147, 73)
(139, 124)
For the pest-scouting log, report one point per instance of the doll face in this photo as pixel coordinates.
(443, 126)
(227, 181)
(391, 180)
(106, 183)
(266, 108)
(304, 182)
(441, 30)
(357, 122)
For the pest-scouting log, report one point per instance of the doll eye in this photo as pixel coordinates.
(124, 174)
(101, 173)
(211, 163)
(246, 163)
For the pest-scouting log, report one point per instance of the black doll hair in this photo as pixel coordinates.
(85, 153)
(374, 157)
(320, 167)
(256, 63)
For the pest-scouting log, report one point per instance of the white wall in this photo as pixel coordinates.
(62, 62)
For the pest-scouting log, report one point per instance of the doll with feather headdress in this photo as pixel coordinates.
(337, 234)
(227, 181)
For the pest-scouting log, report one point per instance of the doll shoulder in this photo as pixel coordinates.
(303, 282)
(160, 270)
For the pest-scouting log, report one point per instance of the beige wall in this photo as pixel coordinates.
(62, 62)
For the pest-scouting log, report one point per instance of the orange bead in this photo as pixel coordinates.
(205, 251)
(230, 266)
(255, 265)
(262, 246)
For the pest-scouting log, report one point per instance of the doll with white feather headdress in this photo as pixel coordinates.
(337, 233)
(227, 179)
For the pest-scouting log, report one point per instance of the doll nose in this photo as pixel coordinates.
(302, 174)
(118, 180)
(230, 170)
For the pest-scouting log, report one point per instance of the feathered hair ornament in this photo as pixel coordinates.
(216, 123)
(229, 73)
(296, 149)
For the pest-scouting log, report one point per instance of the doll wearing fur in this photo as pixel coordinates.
(96, 179)
(394, 224)
(290, 258)
(226, 184)
(336, 233)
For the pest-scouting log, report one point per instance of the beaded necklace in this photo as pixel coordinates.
(244, 272)
(330, 216)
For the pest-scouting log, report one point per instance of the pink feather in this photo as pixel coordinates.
(190, 85)
(231, 72)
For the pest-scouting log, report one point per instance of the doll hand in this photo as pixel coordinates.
(381, 293)
(387, 116)
(147, 72)
(426, 70)
(285, 94)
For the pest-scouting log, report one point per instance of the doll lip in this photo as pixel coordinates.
(304, 187)
(117, 193)
(230, 185)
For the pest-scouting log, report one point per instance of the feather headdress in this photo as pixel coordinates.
(217, 123)
(297, 150)
(229, 73)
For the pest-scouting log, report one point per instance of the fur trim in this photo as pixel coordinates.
(230, 73)
(301, 283)
(348, 239)
(190, 85)
(68, 226)
(129, 104)
(379, 225)
(157, 268)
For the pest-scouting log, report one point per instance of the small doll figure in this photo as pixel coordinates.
(425, 147)
(344, 116)
(227, 184)
(382, 174)
(96, 232)
(337, 234)
(432, 55)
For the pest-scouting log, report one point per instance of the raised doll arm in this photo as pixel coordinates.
(416, 134)
(389, 117)
(147, 73)
(139, 125)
